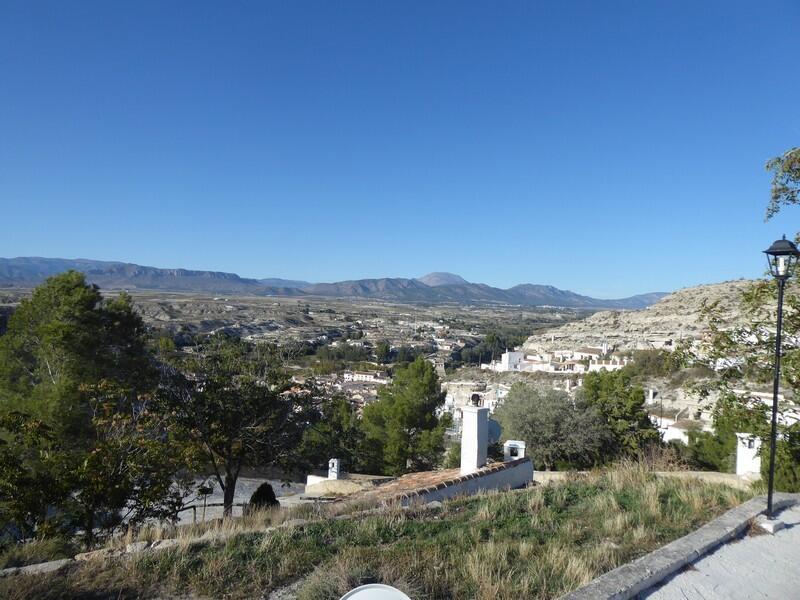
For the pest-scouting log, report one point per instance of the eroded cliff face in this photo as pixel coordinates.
(673, 318)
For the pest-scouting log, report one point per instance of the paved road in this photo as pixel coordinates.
(245, 487)
(756, 567)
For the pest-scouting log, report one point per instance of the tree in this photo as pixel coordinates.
(555, 428)
(133, 471)
(76, 380)
(743, 358)
(337, 434)
(234, 406)
(29, 477)
(656, 363)
(402, 430)
(64, 336)
(621, 404)
(717, 451)
(383, 352)
(785, 181)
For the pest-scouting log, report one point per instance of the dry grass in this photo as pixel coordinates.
(30, 553)
(536, 543)
(255, 521)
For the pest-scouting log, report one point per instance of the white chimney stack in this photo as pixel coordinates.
(513, 449)
(474, 438)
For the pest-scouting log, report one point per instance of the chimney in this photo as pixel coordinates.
(513, 449)
(474, 438)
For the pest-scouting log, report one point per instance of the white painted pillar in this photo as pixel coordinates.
(333, 468)
(474, 438)
(747, 459)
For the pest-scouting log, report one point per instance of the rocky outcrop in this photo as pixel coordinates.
(676, 317)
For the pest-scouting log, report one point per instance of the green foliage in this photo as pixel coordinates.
(402, 430)
(452, 456)
(407, 354)
(785, 181)
(234, 409)
(744, 358)
(656, 363)
(383, 352)
(263, 497)
(711, 452)
(787, 461)
(133, 471)
(337, 434)
(621, 404)
(30, 480)
(64, 336)
(494, 343)
(343, 353)
(76, 385)
(717, 451)
(556, 430)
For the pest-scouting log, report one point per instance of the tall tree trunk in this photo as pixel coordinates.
(227, 498)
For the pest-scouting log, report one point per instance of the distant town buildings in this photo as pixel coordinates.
(378, 377)
(569, 361)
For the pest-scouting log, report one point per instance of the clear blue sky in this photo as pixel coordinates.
(609, 148)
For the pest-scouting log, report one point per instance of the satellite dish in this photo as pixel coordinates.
(375, 591)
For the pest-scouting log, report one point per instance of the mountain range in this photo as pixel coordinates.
(432, 288)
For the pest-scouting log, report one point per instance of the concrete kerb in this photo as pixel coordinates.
(38, 569)
(635, 577)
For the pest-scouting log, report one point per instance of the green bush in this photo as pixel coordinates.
(263, 497)
(787, 461)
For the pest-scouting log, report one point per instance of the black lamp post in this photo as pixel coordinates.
(782, 257)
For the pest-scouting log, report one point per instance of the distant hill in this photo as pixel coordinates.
(437, 279)
(287, 283)
(432, 288)
(30, 271)
(388, 288)
(541, 295)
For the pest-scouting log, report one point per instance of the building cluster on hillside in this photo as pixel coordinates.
(379, 377)
(566, 361)
(679, 425)
(359, 387)
(473, 393)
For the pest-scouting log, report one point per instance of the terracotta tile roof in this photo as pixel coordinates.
(415, 484)
(687, 424)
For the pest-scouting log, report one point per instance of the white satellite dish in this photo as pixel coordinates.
(375, 591)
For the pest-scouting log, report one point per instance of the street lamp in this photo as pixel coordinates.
(782, 257)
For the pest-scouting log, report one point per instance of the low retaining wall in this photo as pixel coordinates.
(644, 573)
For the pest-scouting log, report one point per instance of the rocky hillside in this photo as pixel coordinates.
(439, 278)
(675, 317)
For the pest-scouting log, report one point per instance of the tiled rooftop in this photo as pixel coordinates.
(414, 484)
